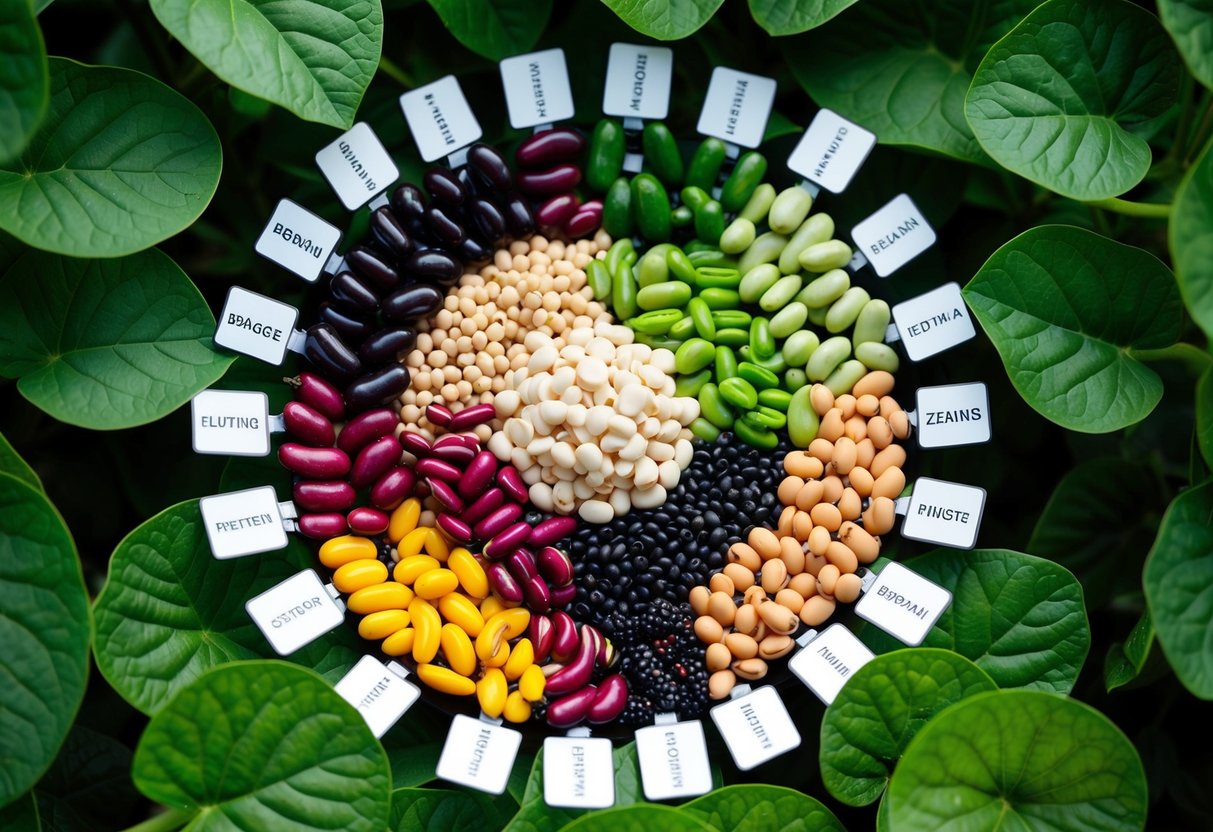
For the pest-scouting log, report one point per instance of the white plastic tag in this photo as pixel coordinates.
(297, 240)
(638, 81)
(903, 603)
(893, 236)
(231, 422)
(737, 107)
(829, 661)
(933, 322)
(756, 727)
(295, 612)
(943, 512)
(242, 523)
(537, 88)
(831, 151)
(478, 754)
(673, 760)
(357, 166)
(255, 325)
(379, 694)
(440, 118)
(953, 414)
(578, 772)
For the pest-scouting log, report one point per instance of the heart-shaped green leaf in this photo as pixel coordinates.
(1066, 308)
(106, 344)
(1018, 760)
(1191, 238)
(119, 163)
(641, 817)
(12, 464)
(536, 816)
(1190, 23)
(760, 808)
(313, 57)
(1204, 416)
(495, 29)
(44, 627)
(1127, 659)
(881, 708)
(265, 745)
(790, 17)
(1060, 99)
(24, 85)
(414, 809)
(666, 20)
(1178, 580)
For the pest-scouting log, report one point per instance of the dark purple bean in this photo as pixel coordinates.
(374, 267)
(562, 596)
(570, 710)
(576, 674)
(444, 187)
(367, 521)
(314, 463)
(348, 324)
(549, 147)
(507, 541)
(487, 221)
(322, 526)
(470, 185)
(324, 348)
(518, 216)
(415, 443)
(585, 222)
(511, 481)
(434, 265)
(390, 233)
(318, 394)
(308, 425)
(555, 180)
(538, 595)
(445, 494)
(419, 300)
(455, 528)
(379, 387)
(555, 565)
(326, 495)
(550, 531)
(498, 521)
(564, 636)
(387, 345)
(478, 475)
(439, 415)
(446, 229)
(610, 700)
(470, 417)
(521, 564)
(488, 167)
(390, 490)
(472, 251)
(408, 203)
(556, 211)
(352, 293)
(485, 504)
(375, 460)
(454, 454)
(539, 631)
(502, 582)
(366, 428)
(431, 467)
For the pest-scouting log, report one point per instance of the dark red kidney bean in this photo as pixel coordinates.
(438, 414)
(455, 528)
(549, 147)
(443, 493)
(555, 180)
(390, 233)
(375, 460)
(471, 251)
(391, 489)
(539, 631)
(379, 387)
(557, 210)
(314, 463)
(585, 222)
(322, 526)
(562, 596)
(455, 454)
(575, 674)
(467, 440)
(498, 521)
(555, 565)
(350, 292)
(538, 596)
(316, 393)
(348, 324)
(372, 266)
(419, 300)
(368, 521)
(609, 701)
(435, 265)
(366, 428)
(511, 481)
(478, 475)
(521, 564)
(489, 167)
(507, 541)
(444, 187)
(503, 583)
(387, 344)
(408, 203)
(572, 709)
(485, 504)
(444, 227)
(518, 216)
(470, 417)
(326, 495)
(415, 443)
(550, 531)
(324, 348)
(564, 636)
(487, 221)
(308, 425)
(445, 471)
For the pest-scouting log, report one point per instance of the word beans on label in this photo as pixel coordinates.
(357, 166)
(946, 513)
(829, 661)
(737, 107)
(953, 414)
(242, 523)
(295, 613)
(903, 603)
(378, 693)
(756, 727)
(673, 760)
(478, 754)
(231, 422)
(578, 772)
(440, 118)
(831, 151)
(298, 240)
(933, 322)
(638, 81)
(255, 325)
(537, 88)
(893, 236)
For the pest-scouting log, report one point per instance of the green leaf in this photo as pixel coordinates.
(535, 816)
(1060, 99)
(21, 815)
(313, 57)
(24, 84)
(495, 29)
(448, 809)
(119, 163)
(666, 20)
(901, 68)
(1127, 659)
(1204, 416)
(106, 344)
(1018, 760)
(1178, 582)
(88, 787)
(12, 464)
(640, 817)
(1190, 23)
(881, 708)
(44, 627)
(760, 808)
(265, 745)
(1191, 239)
(1066, 308)
(790, 17)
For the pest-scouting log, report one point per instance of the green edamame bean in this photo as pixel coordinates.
(846, 376)
(756, 437)
(803, 420)
(775, 363)
(598, 276)
(789, 320)
(757, 281)
(794, 379)
(704, 429)
(657, 342)
(682, 217)
(652, 270)
(683, 329)
(760, 377)
(617, 209)
(765, 249)
(816, 229)
(669, 295)
(651, 207)
(738, 236)
(680, 265)
(778, 296)
(776, 398)
(738, 392)
(701, 315)
(745, 178)
(845, 310)
(690, 385)
(799, 347)
(766, 417)
(817, 315)
(616, 253)
(661, 153)
(708, 256)
(726, 363)
(756, 207)
(706, 163)
(821, 257)
(789, 209)
(709, 277)
(709, 222)
(732, 336)
(657, 322)
(694, 355)
(605, 159)
(824, 290)
(872, 323)
(623, 290)
(877, 356)
(762, 342)
(827, 357)
(713, 408)
(717, 298)
(695, 197)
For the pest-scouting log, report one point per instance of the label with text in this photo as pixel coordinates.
(830, 661)
(242, 523)
(357, 166)
(295, 613)
(255, 325)
(377, 693)
(478, 754)
(943, 512)
(953, 414)
(231, 422)
(673, 760)
(537, 88)
(756, 727)
(578, 772)
(933, 322)
(440, 118)
(893, 236)
(297, 240)
(638, 81)
(737, 107)
(831, 151)
(903, 603)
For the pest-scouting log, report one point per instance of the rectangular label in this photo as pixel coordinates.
(953, 414)
(537, 88)
(831, 151)
(294, 613)
(756, 727)
(357, 166)
(933, 322)
(231, 422)
(829, 661)
(242, 523)
(578, 772)
(674, 760)
(943, 512)
(478, 754)
(638, 81)
(903, 603)
(440, 118)
(255, 325)
(737, 107)
(377, 693)
(893, 236)
(297, 240)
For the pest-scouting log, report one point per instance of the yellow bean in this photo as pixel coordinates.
(492, 691)
(385, 596)
(428, 624)
(457, 648)
(435, 583)
(436, 545)
(531, 683)
(412, 543)
(490, 606)
(445, 680)
(516, 621)
(522, 656)
(491, 639)
(404, 519)
(400, 642)
(471, 574)
(517, 708)
(382, 624)
(338, 551)
(356, 574)
(457, 609)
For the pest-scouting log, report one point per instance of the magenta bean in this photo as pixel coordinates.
(610, 700)
(576, 674)
(375, 460)
(585, 222)
(485, 504)
(551, 530)
(415, 443)
(365, 428)
(521, 564)
(455, 528)
(430, 467)
(322, 526)
(446, 495)
(562, 596)
(391, 489)
(554, 180)
(507, 541)
(467, 440)
(319, 395)
(555, 565)
(326, 495)
(498, 521)
(314, 463)
(606, 653)
(540, 631)
(538, 596)
(470, 417)
(559, 145)
(308, 425)
(367, 521)
(503, 583)
(557, 210)
(478, 475)
(458, 455)
(564, 636)
(510, 480)
(570, 710)
(438, 415)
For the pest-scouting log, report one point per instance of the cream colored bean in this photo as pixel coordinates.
(717, 657)
(774, 575)
(742, 577)
(764, 542)
(722, 608)
(750, 669)
(744, 554)
(746, 619)
(741, 645)
(721, 683)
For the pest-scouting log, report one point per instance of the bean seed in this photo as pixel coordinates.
(821, 257)
(846, 309)
(844, 376)
(781, 293)
(741, 645)
(717, 657)
(789, 209)
(738, 236)
(708, 629)
(877, 383)
(817, 610)
(877, 356)
(816, 229)
(871, 323)
(827, 357)
(847, 589)
(766, 248)
(750, 669)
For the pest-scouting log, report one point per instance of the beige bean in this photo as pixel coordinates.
(802, 525)
(867, 405)
(889, 484)
(810, 494)
(880, 432)
(778, 618)
(847, 589)
(876, 383)
(792, 555)
(774, 575)
(831, 488)
(746, 620)
(804, 585)
(850, 504)
(857, 539)
(741, 576)
(784, 527)
(754, 596)
(827, 578)
(832, 425)
(722, 608)
(744, 554)
(844, 455)
(879, 516)
(800, 464)
(893, 456)
(816, 611)
(708, 629)
(845, 403)
(899, 422)
(823, 449)
(840, 555)
(721, 582)
(865, 452)
(856, 428)
(821, 398)
(813, 564)
(788, 489)
(741, 645)
(789, 598)
(827, 516)
(750, 669)
(819, 539)
(764, 542)
(721, 683)
(699, 599)
(861, 481)
(717, 657)
(888, 406)
(775, 646)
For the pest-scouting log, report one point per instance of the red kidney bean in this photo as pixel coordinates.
(415, 443)
(308, 425)
(470, 417)
(576, 674)
(610, 700)
(538, 596)
(446, 495)
(556, 211)
(431, 467)
(562, 596)
(455, 528)
(367, 521)
(467, 440)
(511, 481)
(347, 324)
(555, 565)
(324, 348)
(478, 475)
(419, 300)
(521, 564)
(390, 490)
(503, 583)
(552, 530)
(438, 415)
(322, 526)
(390, 233)
(606, 653)
(564, 636)
(386, 345)
(443, 186)
(518, 216)
(375, 460)
(554, 180)
(485, 504)
(489, 167)
(325, 495)
(457, 455)
(314, 463)
(318, 394)
(373, 267)
(505, 542)
(379, 387)
(366, 428)
(498, 521)
(431, 264)
(351, 292)
(541, 149)
(569, 710)
(539, 631)
(488, 223)
(585, 222)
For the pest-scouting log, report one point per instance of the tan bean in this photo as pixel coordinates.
(717, 657)
(831, 488)
(754, 596)
(861, 481)
(800, 464)
(789, 598)
(850, 504)
(721, 582)
(784, 527)
(778, 618)
(845, 403)
(775, 646)
(888, 406)
(741, 645)
(774, 575)
(765, 543)
(750, 669)
(744, 554)
(827, 579)
(722, 608)
(823, 449)
(899, 421)
(815, 612)
(857, 539)
(867, 405)
(865, 452)
(699, 599)
(844, 455)
(827, 516)
(762, 631)
(840, 555)
(879, 516)
(741, 576)
(802, 524)
(791, 554)
(746, 620)
(856, 428)
(708, 629)
(889, 484)
(893, 456)
(788, 489)
(831, 426)
(813, 564)
(721, 683)
(821, 398)
(810, 494)
(819, 539)
(847, 589)
(804, 585)
(876, 383)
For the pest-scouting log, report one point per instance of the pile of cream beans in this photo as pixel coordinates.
(593, 425)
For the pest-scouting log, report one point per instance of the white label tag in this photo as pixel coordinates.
(242, 523)
(440, 118)
(831, 151)
(737, 107)
(294, 613)
(756, 727)
(829, 661)
(357, 166)
(377, 693)
(578, 772)
(638, 81)
(933, 322)
(953, 414)
(255, 325)
(478, 754)
(297, 240)
(903, 603)
(946, 513)
(674, 760)
(537, 88)
(893, 236)
(231, 422)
